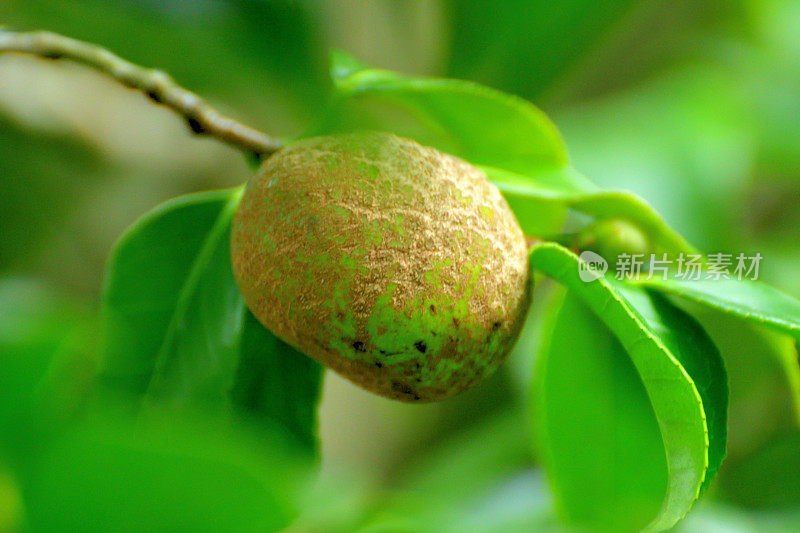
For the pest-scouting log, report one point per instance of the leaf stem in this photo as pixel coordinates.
(201, 118)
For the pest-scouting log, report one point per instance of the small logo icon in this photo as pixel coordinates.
(592, 266)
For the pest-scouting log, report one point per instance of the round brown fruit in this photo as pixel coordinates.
(397, 266)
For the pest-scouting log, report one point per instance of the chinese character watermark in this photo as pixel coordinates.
(690, 267)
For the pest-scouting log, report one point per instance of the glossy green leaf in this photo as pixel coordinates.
(480, 125)
(745, 298)
(276, 381)
(177, 332)
(587, 390)
(686, 339)
(680, 369)
(522, 191)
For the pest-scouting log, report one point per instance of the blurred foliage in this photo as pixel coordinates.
(691, 104)
(45, 345)
(578, 49)
(80, 461)
(42, 175)
(521, 48)
(169, 476)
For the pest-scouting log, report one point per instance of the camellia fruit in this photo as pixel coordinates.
(397, 266)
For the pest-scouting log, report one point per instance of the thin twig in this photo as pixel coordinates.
(201, 118)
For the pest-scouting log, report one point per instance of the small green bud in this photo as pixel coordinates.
(613, 237)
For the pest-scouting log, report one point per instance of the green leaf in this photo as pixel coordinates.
(678, 365)
(684, 337)
(587, 390)
(480, 125)
(524, 192)
(511, 140)
(176, 329)
(343, 65)
(745, 298)
(107, 471)
(275, 380)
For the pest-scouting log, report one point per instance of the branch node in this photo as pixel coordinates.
(196, 126)
(154, 96)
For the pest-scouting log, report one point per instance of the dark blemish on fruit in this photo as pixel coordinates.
(456, 323)
(378, 364)
(404, 389)
(359, 347)
(384, 352)
(496, 326)
(433, 309)
(421, 346)
(417, 365)
(152, 95)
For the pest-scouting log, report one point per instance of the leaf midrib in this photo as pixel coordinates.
(192, 279)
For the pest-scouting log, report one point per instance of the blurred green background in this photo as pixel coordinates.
(693, 104)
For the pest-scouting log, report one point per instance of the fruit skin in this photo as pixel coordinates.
(397, 266)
